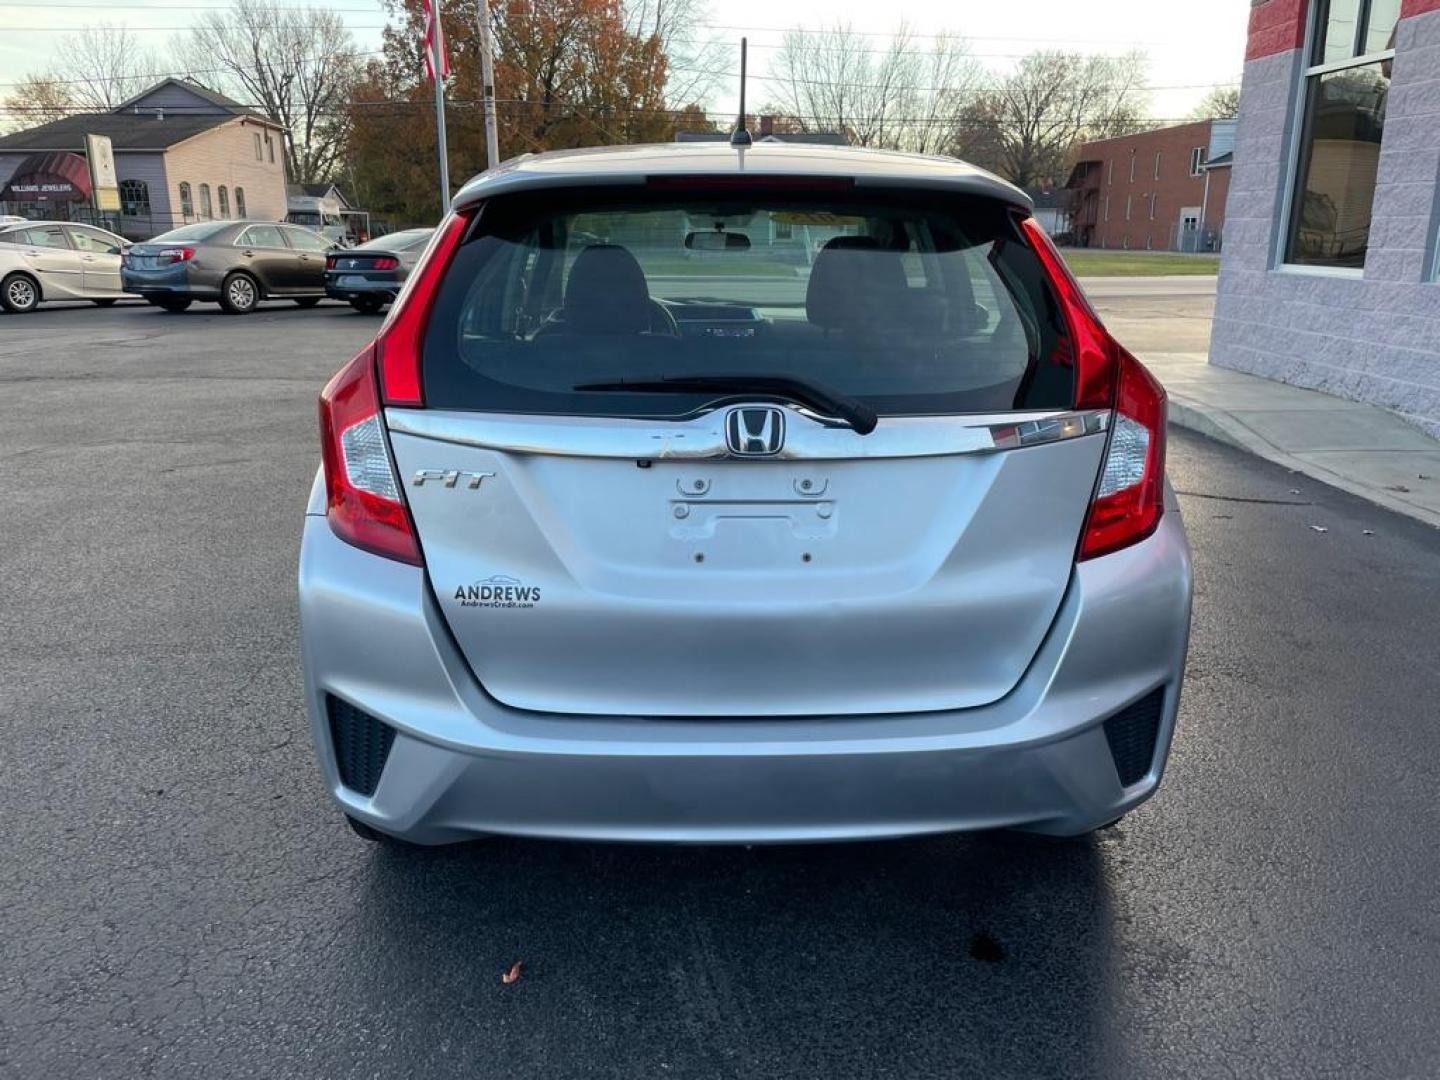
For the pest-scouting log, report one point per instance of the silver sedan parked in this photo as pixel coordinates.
(703, 494)
(52, 260)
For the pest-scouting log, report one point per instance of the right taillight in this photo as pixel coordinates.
(363, 502)
(170, 256)
(385, 262)
(1130, 496)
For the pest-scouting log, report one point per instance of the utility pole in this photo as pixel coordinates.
(487, 76)
(437, 59)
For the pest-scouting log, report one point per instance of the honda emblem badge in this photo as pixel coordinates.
(755, 431)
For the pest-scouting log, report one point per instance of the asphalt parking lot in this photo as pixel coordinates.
(178, 898)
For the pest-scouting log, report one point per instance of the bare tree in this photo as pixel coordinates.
(695, 61)
(1221, 103)
(1026, 123)
(37, 99)
(104, 65)
(296, 65)
(900, 95)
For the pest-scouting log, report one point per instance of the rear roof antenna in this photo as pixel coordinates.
(741, 137)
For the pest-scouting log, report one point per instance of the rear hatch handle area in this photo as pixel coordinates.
(855, 413)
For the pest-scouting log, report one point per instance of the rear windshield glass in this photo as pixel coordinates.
(911, 303)
(191, 232)
(397, 241)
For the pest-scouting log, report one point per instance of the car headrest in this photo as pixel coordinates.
(853, 283)
(607, 293)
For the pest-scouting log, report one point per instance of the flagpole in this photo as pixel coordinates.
(487, 75)
(437, 62)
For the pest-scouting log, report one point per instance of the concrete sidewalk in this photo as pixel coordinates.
(1358, 448)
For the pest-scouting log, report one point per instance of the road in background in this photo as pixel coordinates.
(179, 899)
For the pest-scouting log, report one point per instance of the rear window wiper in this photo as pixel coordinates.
(854, 412)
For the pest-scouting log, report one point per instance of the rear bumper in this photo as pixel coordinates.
(462, 764)
(168, 281)
(357, 287)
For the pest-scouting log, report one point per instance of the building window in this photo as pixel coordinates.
(1132, 166)
(206, 210)
(270, 148)
(1127, 207)
(240, 202)
(187, 204)
(1152, 207)
(256, 136)
(1197, 160)
(1157, 164)
(224, 194)
(1107, 207)
(134, 198)
(1347, 90)
(1110, 171)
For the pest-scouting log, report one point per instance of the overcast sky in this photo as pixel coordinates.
(1187, 55)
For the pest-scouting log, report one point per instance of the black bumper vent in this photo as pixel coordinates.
(361, 744)
(1131, 734)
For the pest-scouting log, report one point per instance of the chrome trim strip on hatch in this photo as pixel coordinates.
(807, 438)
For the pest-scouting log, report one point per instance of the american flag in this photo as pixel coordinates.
(434, 30)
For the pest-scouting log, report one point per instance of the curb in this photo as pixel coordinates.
(1219, 425)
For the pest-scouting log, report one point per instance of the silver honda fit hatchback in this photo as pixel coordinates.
(702, 494)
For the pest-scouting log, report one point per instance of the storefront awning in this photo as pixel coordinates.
(57, 176)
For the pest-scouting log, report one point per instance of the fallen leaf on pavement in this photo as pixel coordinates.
(1398, 487)
(1367, 532)
(513, 975)
(1319, 528)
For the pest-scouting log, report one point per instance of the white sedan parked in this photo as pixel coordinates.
(55, 260)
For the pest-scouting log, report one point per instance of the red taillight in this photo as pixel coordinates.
(170, 256)
(363, 502)
(1089, 347)
(1130, 496)
(385, 262)
(403, 334)
(329, 262)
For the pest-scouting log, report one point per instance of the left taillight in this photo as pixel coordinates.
(170, 256)
(363, 499)
(402, 336)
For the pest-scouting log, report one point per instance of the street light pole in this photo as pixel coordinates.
(487, 76)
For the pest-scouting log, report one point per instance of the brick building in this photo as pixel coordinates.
(1329, 277)
(182, 153)
(1160, 190)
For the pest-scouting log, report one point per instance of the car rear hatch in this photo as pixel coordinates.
(841, 466)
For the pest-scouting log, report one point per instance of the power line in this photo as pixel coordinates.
(185, 75)
(52, 5)
(617, 111)
(87, 5)
(325, 57)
